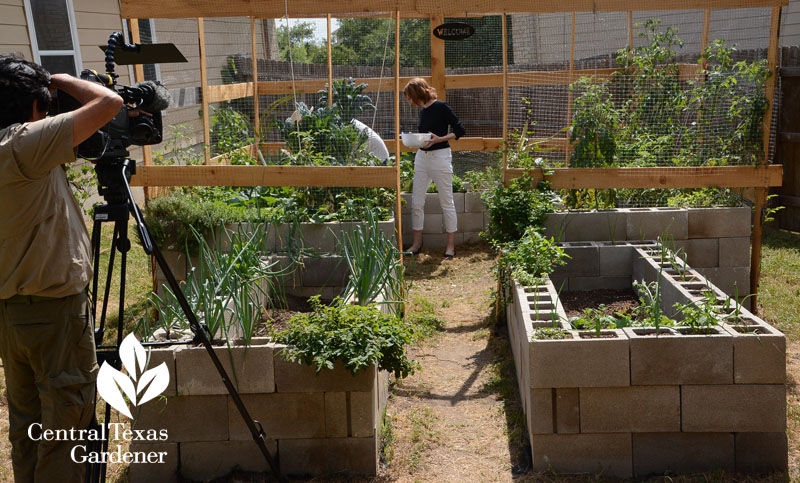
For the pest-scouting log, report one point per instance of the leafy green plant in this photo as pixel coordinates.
(357, 335)
(374, 264)
(600, 319)
(551, 333)
(349, 99)
(650, 313)
(514, 208)
(531, 257)
(594, 125)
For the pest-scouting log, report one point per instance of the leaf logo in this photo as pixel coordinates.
(114, 386)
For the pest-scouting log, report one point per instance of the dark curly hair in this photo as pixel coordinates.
(21, 83)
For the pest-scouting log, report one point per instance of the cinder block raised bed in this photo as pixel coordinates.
(317, 423)
(633, 402)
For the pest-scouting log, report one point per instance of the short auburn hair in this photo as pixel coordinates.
(419, 91)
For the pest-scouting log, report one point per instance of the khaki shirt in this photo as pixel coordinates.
(44, 245)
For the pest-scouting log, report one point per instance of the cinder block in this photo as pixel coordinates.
(682, 453)
(719, 222)
(540, 412)
(405, 204)
(583, 261)
(336, 414)
(433, 223)
(249, 368)
(363, 414)
(699, 252)
(294, 377)
(672, 359)
(578, 284)
(761, 452)
(433, 240)
(323, 236)
(759, 355)
(591, 362)
(568, 415)
(167, 356)
(186, 418)
(325, 271)
(303, 457)
(298, 415)
(471, 237)
(473, 203)
(636, 409)
(470, 222)
(731, 280)
(606, 454)
(608, 225)
(555, 226)
(207, 460)
(734, 408)
(166, 470)
(459, 202)
(176, 261)
(652, 224)
(616, 260)
(734, 252)
(432, 204)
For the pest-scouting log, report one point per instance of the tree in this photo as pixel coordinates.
(305, 49)
(362, 41)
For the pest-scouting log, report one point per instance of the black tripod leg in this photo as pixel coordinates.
(256, 430)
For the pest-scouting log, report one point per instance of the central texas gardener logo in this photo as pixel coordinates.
(139, 385)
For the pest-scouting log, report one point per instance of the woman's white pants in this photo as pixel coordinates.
(436, 166)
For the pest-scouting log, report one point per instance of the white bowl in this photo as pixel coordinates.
(414, 140)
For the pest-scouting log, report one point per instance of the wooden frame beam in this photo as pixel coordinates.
(409, 8)
(655, 177)
(222, 175)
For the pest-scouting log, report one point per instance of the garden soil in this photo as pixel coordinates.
(458, 418)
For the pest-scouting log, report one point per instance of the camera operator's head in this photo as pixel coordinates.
(24, 91)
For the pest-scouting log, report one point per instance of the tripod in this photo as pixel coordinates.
(114, 182)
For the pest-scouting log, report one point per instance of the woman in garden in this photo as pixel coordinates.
(434, 161)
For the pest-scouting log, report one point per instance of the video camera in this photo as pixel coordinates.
(138, 122)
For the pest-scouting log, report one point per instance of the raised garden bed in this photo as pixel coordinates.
(642, 401)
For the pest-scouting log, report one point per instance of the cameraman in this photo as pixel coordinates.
(46, 339)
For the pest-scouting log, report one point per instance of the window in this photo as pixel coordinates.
(54, 40)
(147, 35)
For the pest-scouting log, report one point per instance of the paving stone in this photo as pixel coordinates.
(606, 454)
(591, 362)
(719, 222)
(204, 461)
(682, 453)
(761, 452)
(679, 359)
(699, 252)
(568, 416)
(283, 415)
(166, 471)
(186, 418)
(303, 457)
(734, 252)
(733, 408)
(251, 370)
(654, 223)
(758, 357)
(336, 414)
(294, 377)
(637, 409)
(363, 414)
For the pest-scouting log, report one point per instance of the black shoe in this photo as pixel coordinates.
(448, 256)
(416, 252)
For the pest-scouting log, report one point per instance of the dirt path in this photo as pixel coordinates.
(450, 421)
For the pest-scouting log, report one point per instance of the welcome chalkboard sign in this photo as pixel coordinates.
(453, 31)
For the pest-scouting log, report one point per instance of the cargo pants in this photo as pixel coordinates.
(50, 368)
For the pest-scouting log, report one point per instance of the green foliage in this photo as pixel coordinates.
(304, 49)
(514, 208)
(83, 180)
(349, 100)
(423, 318)
(600, 319)
(231, 131)
(531, 257)
(594, 125)
(370, 41)
(374, 264)
(551, 333)
(649, 314)
(357, 335)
